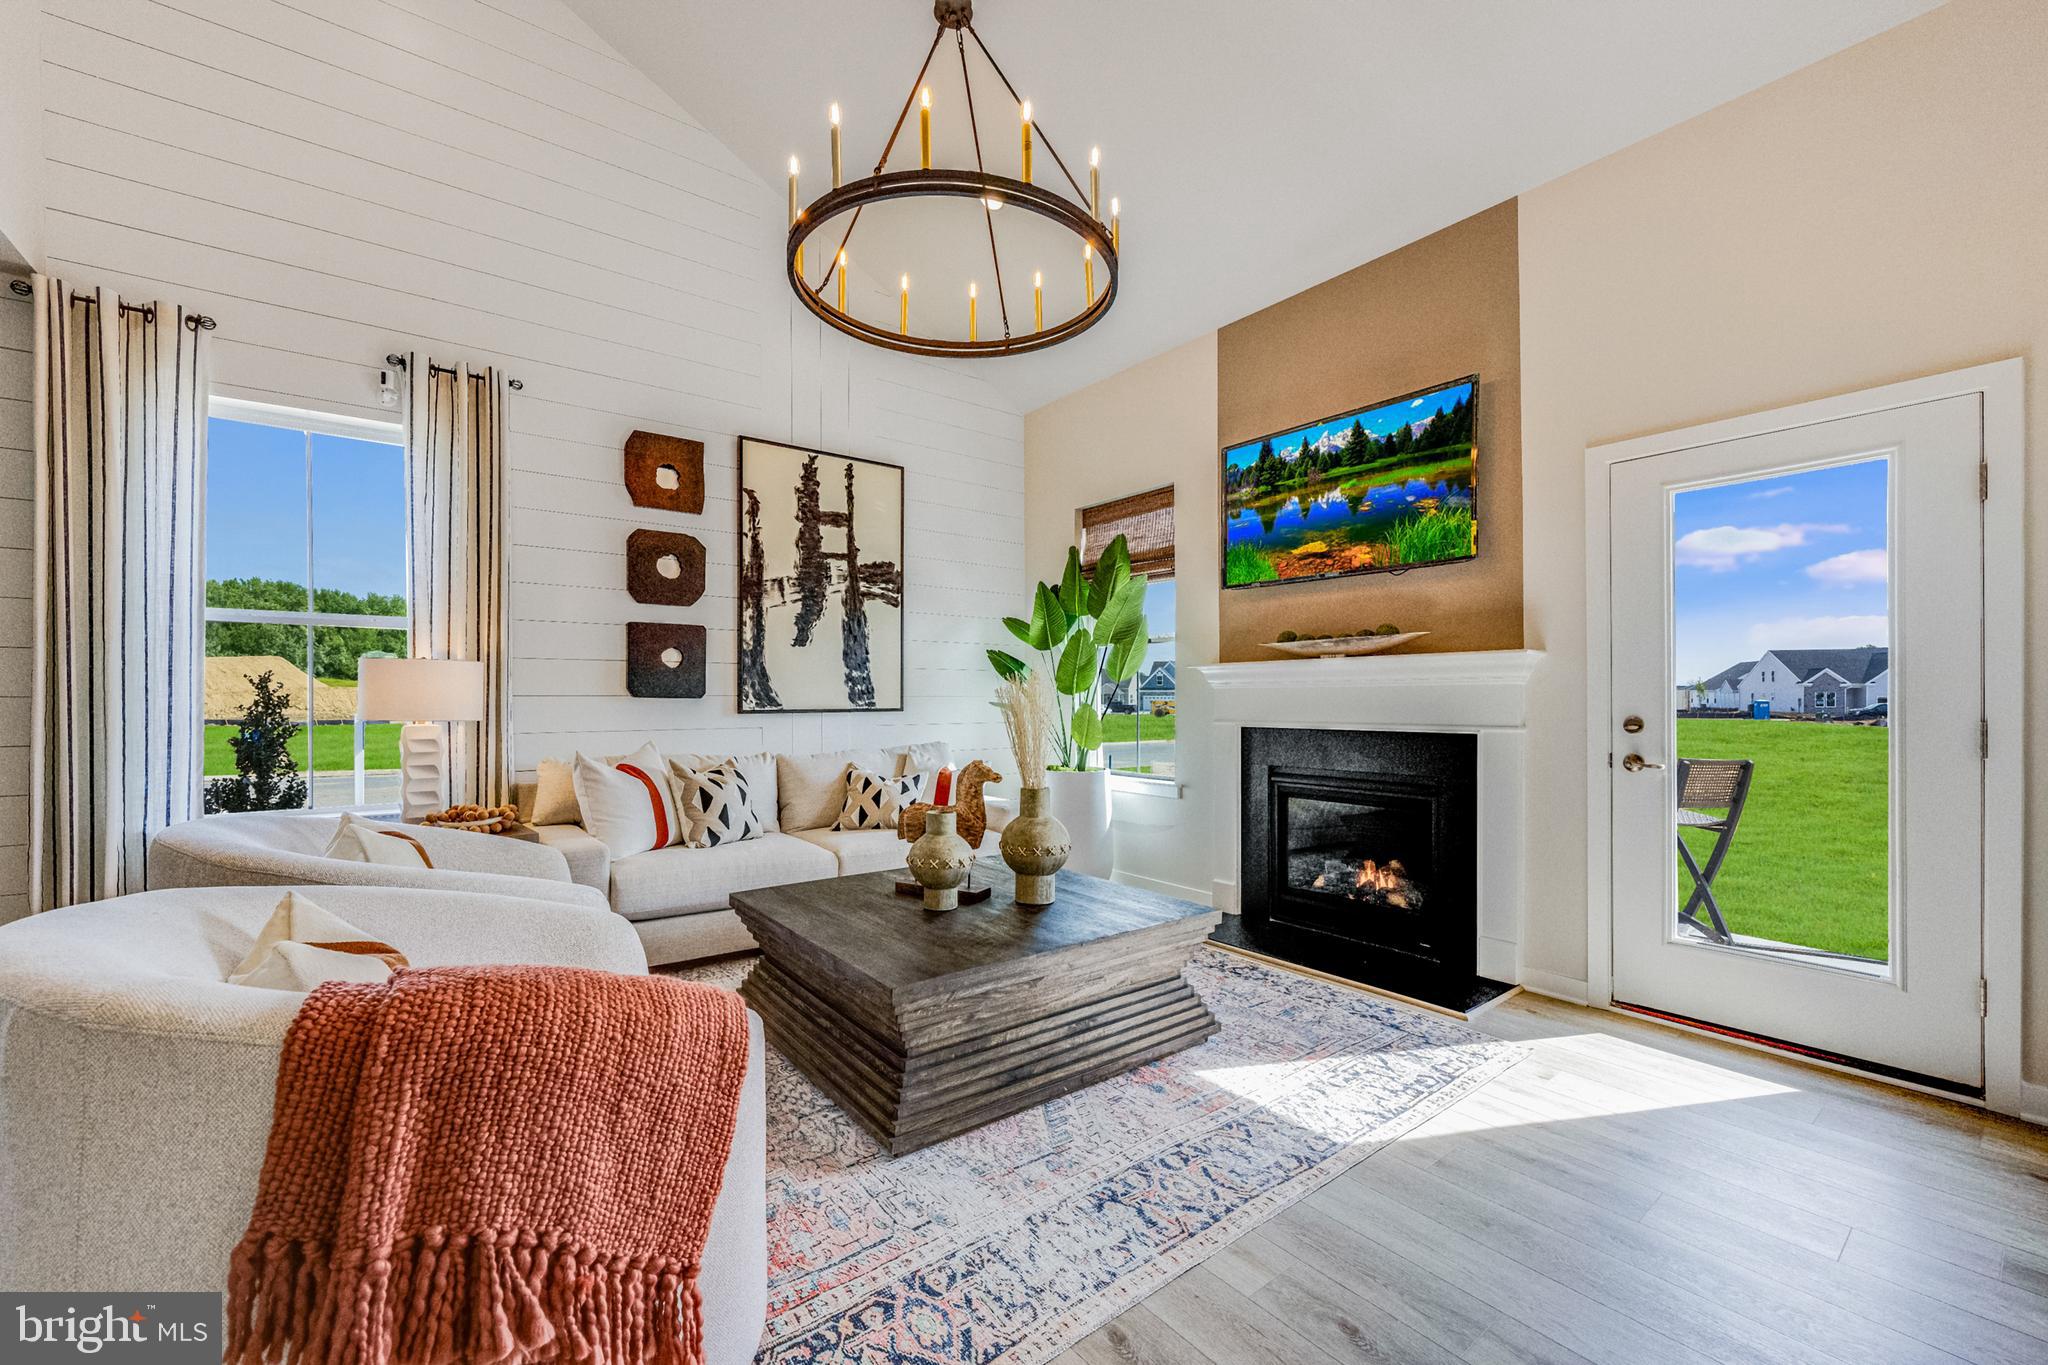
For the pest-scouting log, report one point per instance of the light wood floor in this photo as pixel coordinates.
(1632, 1195)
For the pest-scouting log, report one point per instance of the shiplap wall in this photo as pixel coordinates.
(17, 533)
(486, 181)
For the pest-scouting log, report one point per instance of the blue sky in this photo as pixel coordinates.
(1791, 562)
(256, 508)
(1379, 421)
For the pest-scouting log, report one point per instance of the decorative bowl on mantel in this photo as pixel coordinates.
(1343, 646)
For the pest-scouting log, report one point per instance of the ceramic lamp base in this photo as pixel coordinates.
(422, 769)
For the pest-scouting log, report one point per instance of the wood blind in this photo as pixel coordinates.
(1144, 519)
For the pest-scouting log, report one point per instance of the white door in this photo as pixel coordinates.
(1845, 911)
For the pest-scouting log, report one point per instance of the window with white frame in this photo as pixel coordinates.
(1139, 721)
(306, 564)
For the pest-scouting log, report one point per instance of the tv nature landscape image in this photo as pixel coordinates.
(1385, 487)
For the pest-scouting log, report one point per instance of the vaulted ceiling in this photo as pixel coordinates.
(1258, 148)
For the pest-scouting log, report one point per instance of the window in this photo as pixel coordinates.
(305, 576)
(1139, 714)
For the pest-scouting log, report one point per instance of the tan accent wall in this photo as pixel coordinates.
(1436, 310)
(1873, 217)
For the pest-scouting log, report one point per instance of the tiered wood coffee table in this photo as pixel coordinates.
(922, 1026)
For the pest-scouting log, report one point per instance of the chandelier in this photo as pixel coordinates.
(1096, 239)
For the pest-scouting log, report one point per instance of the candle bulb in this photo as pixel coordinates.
(924, 128)
(1025, 110)
(794, 214)
(1088, 270)
(903, 309)
(1116, 232)
(973, 327)
(842, 281)
(1095, 183)
(837, 174)
(1038, 300)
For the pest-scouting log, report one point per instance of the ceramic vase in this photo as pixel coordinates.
(940, 860)
(1035, 845)
(1081, 801)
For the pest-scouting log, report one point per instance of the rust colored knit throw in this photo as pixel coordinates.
(490, 1164)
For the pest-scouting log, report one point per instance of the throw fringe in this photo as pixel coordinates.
(440, 1298)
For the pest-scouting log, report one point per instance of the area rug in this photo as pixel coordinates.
(1011, 1243)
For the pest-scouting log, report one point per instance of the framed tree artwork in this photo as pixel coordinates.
(820, 580)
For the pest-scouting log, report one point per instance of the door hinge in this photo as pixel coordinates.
(1610, 758)
(1984, 737)
(1983, 998)
(1983, 481)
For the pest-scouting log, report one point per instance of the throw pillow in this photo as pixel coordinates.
(303, 945)
(717, 803)
(373, 841)
(927, 757)
(758, 769)
(554, 795)
(627, 805)
(877, 802)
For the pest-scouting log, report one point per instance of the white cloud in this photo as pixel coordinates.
(1416, 404)
(1819, 632)
(1720, 548)
(1845, 571)
(1780, 491)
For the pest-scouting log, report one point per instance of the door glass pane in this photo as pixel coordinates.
(1781, 636)
(358, 526)
(352, 765)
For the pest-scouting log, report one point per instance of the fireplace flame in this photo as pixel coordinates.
(1370, 881)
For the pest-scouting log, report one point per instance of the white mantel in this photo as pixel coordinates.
(1482, 693)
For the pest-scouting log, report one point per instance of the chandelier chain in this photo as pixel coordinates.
(1059, 160)
(988, 214)
(887, 148)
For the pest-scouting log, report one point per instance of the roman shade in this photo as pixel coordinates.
(1145, 520)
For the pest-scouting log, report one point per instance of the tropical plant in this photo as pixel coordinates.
(1087, 630)
(266, 775)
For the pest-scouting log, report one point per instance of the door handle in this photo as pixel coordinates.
(1635, 763)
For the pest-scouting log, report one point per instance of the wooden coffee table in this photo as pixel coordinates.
(922, 1026)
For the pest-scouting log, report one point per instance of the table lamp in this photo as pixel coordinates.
(423, 693)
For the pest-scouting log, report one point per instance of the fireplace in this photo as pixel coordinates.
(1359, 855)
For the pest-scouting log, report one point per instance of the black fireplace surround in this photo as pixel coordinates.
(1360, 857)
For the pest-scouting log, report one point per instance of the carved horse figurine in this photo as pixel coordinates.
(967, 800)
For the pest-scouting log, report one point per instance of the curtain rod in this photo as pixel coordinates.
(196, 321)
(397, 362)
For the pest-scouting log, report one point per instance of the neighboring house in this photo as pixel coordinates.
(1823, 682)
(1725, 689)
(1156, 685)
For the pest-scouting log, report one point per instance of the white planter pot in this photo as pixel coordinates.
(1081, 802)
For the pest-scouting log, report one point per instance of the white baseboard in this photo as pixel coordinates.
(1174, 889)
(1223, 895)
(2034, 1103)
(1568, 989)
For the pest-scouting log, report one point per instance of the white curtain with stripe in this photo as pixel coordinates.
(455, 481)
(120, 431)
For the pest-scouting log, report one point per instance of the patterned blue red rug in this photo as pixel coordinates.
(1011, 1243)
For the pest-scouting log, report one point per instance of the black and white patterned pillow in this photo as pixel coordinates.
(714, 801)
(876, 802)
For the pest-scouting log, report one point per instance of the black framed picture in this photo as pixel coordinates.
(820, 580)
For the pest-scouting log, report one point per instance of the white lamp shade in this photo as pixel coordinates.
(420, 689)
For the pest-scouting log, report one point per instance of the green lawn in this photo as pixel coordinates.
(1123, 729)
(1808, 864)
(334, 749)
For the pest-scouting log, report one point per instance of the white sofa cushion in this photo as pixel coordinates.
(927, 757)
(687, 881)
(716, 803)
(628, 803)
(302, 945)
(860, 850)
(812, 787)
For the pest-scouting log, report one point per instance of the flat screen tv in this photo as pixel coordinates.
(1379, 489)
